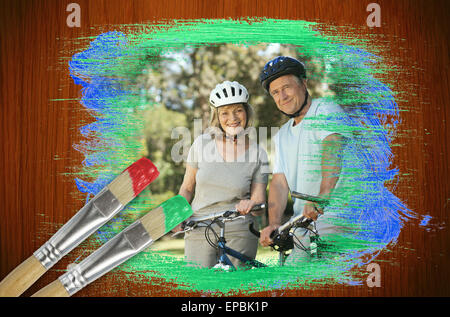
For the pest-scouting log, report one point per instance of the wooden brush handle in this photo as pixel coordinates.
(22, 277)
(55, 289)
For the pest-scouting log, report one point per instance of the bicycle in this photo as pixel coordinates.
(220, 219)
(284, 237)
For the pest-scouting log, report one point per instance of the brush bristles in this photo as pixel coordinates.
(155, 223)
(122, 188)
(167, 216)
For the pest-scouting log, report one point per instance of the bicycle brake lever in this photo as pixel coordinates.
(186, 228)
(303, 222)
(183, 231)
(229, 213)
(234, 218)
(307, 223)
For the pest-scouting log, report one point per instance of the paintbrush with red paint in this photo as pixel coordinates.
(99, 210)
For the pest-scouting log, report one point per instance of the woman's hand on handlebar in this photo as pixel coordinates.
(177, 228)
(245, 206)
(265, 238)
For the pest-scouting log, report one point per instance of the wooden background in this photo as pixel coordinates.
(40, 117)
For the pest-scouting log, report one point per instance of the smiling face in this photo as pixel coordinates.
(288, 93)
(232, 118)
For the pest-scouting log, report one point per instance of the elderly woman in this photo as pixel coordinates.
(225, 170)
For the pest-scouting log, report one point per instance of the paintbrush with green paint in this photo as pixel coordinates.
(132, 240)
(100, 209)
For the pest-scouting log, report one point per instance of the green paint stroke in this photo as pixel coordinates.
(176, 210)
(373, 215)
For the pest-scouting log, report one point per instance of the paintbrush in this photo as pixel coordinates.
(100, 209)
(126, 244)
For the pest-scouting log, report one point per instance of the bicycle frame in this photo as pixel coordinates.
(224, 260)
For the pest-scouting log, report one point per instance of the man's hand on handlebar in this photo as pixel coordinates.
(312, 210)
(265, 239)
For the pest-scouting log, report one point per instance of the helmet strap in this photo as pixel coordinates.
(234, 138)
(297, 113)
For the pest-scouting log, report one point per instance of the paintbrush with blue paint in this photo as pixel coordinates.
(99, 210)
(129, 242)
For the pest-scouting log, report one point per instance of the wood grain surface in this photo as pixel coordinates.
(41, 115)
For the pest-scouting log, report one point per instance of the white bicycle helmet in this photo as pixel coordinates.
(228, 93)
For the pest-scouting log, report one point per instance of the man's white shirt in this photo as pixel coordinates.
(298, 149)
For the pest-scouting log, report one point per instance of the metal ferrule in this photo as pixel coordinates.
(92, 216)
(123, 246)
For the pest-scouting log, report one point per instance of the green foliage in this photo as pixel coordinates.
(159, 122)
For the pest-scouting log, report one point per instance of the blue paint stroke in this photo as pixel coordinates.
(101, 88)
(91, 69)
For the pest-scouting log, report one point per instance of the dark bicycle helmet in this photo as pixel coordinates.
(279, 66)
(284, 65)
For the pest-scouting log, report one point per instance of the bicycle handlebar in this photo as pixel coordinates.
(299, 221)
(229, 215)
(280, 235)
(321, 201)
(225, 214)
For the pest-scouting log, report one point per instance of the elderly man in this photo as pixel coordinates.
(308, 148)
